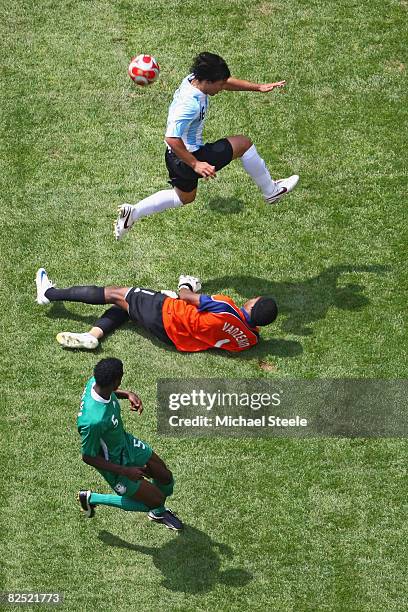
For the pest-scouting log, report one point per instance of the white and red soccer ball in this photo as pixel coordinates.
(144, 70)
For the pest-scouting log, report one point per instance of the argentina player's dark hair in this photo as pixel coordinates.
(108, 371)
(210, 67)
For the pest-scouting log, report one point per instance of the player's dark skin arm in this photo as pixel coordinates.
(189, 296)
(134, 400)
(133, 473)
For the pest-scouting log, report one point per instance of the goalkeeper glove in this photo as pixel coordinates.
(189, 282)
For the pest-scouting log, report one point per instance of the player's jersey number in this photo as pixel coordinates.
(138, 444)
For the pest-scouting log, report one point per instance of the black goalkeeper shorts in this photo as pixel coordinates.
(145, 308)
(218, 154)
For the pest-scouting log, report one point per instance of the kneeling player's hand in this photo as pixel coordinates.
(135, 473)
(189, 282)
(135, 402)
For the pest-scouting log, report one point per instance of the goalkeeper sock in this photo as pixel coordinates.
(257, 170)
(117, 501)
(111, 319)
(167, 198)
(89, 294)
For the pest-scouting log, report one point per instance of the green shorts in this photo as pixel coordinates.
(136, 454)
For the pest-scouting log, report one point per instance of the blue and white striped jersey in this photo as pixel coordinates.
(186, 115)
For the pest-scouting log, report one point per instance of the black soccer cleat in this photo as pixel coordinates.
(167, 518)
(87, 508)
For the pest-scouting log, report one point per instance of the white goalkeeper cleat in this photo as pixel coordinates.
(124, 221)
(77, 341)
(190, 282)
(283, 186)
(43, 283)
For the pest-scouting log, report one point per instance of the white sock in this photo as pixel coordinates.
(167, 198)
(256, 168)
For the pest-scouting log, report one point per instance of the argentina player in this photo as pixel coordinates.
(188, 158)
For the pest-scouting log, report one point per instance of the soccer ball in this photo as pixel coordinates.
(143, 70)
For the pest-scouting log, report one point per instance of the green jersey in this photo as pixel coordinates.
(100, 426)
(101, 429)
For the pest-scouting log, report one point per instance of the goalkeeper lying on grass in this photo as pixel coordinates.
(187, 320)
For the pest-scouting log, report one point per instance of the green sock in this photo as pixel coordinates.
(167, 489)
(117, 501)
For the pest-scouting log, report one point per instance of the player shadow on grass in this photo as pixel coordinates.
(59, 311)
(275, 346)
(190, 561)
(302, 303)
(226, 206)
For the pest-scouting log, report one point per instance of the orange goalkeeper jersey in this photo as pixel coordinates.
(216, 323)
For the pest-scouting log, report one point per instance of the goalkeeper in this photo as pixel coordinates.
(188, 320)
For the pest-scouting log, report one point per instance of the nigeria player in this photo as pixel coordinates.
(187, 157)
(139, 477)
(189, 321)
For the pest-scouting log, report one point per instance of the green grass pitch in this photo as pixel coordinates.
(278, 525)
